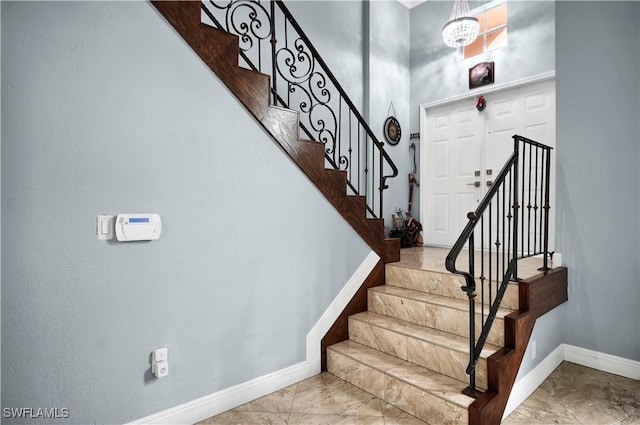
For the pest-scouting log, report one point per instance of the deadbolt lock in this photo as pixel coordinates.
(489, 172)
(477, 173)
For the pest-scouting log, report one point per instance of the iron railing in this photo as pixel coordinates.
(272, 42)
(506, 231)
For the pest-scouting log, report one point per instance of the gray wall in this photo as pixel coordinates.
(389, 82)
(106, 110)
(336, 30)
(598, 134)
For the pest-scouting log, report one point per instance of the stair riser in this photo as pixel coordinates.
(443, 360)
(422, 404)
(378, 338)
(445, 284)
(356, 373)
(409, 398)
(434, 316)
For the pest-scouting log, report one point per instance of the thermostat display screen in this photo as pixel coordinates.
(138, 219)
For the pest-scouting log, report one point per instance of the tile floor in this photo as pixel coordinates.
(572, 394)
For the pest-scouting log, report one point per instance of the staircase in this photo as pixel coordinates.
(351, 192)
(411, 347)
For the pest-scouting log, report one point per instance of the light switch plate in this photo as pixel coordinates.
(160, 354)
(104, 227)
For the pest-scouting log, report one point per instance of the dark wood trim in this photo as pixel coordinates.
(545, 292)
(339, 331)
(538, 295)
(219, 51)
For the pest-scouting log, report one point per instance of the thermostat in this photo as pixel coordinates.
(138, 227)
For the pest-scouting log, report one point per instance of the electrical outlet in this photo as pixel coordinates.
(533, 350)
(160, 369)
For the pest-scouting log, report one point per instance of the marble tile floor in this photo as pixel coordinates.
(572, 394)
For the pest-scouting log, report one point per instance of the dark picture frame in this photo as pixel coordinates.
(481, 74)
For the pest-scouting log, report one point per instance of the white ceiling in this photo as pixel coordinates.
(411, 3)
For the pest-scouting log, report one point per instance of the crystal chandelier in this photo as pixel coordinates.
(462, 29)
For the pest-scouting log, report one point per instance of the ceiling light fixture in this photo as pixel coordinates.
(462, 28)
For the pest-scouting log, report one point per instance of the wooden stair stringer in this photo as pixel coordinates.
(219, 50)
(538, 295)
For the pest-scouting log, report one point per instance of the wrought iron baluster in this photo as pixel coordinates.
(504, 241)
(516, 205)
(482, 275)
(274, 81)
(546, 211)
(535, 203)
(471, 294)
(490, 249)
(529, 206)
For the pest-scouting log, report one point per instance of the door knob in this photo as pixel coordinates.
(489, 183)
(476, 184)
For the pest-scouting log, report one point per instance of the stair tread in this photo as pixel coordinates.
(442, 386)
(424, 333)
(458, 304)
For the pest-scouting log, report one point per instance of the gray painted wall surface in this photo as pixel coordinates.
(106, 110)
(389, 82)
(335, 28)
(438, 72)
(598, 138)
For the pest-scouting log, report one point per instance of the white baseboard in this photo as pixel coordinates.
(526, 385)
(229, 398)
(602, 361)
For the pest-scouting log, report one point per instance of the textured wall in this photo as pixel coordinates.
(389, 82)
(335, 28)
(598, 105)
(106, 110)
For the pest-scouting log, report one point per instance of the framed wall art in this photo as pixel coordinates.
(481, 74)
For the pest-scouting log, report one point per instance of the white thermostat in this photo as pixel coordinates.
(138, 227)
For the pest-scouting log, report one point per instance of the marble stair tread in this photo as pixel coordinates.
(423, 333)
(446, 284)
(441, 386)
(443, 301)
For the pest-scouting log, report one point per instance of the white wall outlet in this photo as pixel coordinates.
(533, 350)
(160, 369)
(160, 354)
(160, 362)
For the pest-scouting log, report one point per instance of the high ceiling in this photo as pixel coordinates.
(411, 3)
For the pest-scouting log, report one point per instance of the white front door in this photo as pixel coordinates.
(464, 149)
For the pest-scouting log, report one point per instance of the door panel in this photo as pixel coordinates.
(453, 157)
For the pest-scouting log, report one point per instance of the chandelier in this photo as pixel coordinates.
(462, 29)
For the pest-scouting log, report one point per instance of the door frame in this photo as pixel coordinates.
(425, 107)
